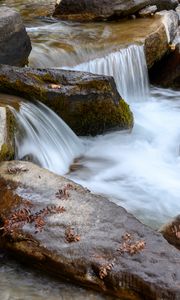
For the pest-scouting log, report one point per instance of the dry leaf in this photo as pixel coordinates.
(54, 86)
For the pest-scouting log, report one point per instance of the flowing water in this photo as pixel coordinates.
(44, 138)
(128, 67)
(139, 170)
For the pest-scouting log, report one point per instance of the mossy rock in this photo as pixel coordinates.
(7, 149)
(91, 117)
(6, 152)
(90, 104)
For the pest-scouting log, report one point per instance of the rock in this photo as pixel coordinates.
(61, 228)
(6, 134)
(148, 11)
(166, 4)
(86, 10)
(15, 44)
(89, 104)
(166, 73)
(170, 21)
(176, 40)
(157, 44)
(178, 12)
(171, 232)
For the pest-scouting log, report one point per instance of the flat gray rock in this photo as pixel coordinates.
(63, 229)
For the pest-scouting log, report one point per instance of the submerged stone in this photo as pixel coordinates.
(15, 44)
(59, 227)
(90, 104)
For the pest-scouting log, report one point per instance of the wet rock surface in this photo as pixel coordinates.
(170, 20)
(157, 44)
(15, 45)
(69, 232)
(166, 73)
(86, 10)
(161, 31)
(89, 104)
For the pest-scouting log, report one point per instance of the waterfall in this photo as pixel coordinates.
(45, 138)
(129, 69)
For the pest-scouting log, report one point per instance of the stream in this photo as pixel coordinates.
(139, 170)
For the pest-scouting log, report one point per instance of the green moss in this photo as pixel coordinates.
(7, 149)
(96, 85)
(126, 114)
(6, 152)
(96, 117)
(11, 126)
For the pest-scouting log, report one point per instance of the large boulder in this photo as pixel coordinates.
(166, 4)
(85, 10)
(63, 229)
(89, 104)
(15, 45)
(6, 134)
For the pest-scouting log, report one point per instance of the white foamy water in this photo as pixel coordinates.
(45, 138)
(128, 67)
(139, 170)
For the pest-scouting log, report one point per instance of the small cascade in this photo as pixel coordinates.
(44, 138)
(129, 69)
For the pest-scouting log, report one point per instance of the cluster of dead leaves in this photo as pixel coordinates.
(103, 270)
(63, 194)
(176, 230)
(17, 170)
(71, 236)
(130, 246)
(25, 216)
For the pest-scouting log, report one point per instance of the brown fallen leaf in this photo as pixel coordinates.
(103, 270)
(54, 86)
